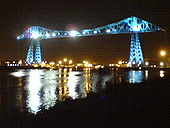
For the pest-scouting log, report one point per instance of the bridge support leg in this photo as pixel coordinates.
(30, 54)
(34, 56)
(136, 56)
(38, 58)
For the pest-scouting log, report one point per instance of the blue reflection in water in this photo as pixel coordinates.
(44, 88)
(49, 89)
(33, 88)
(73, 80)
(18, 73)
(41, 90)
(135, 76)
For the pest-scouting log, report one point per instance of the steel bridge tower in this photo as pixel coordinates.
(34, 52)
(136, 55)
(131, 25)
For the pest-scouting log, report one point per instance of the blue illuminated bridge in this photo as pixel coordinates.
(132, 25)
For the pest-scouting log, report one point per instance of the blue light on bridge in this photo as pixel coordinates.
(108, 30)
(136, 28)
(47, 35)
(53, 34)
(95, 32)
(73, 33)
(131, 25)
(35, 35)
(84, 32)
(18, 37)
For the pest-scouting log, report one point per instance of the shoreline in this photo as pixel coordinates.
(79, 69)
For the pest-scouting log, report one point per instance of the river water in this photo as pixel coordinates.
(34, 90)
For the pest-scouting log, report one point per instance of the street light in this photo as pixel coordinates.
(60, 62)
(161, 63)
(70, 62)
(120, 62)
(163, 59)
(146, 63)
(162, 53)
(65, 59)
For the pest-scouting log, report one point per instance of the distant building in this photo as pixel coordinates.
(13, 63)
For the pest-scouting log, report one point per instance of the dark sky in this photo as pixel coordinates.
(15, 15)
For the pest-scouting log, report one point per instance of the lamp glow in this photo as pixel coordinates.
(73, 33)
(53, 34)
(161, 63)
(146, 63)
(108, 30)
(70, 62)
(120, 62)
(47, 35)
(65, 59)
(35, 35)
(60, 62)
(136, 27)
(162, 53)
(95, 32)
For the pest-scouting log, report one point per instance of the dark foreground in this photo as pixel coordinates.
(119, 106)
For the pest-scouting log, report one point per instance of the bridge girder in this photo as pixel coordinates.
(128, 25)
(131, 25)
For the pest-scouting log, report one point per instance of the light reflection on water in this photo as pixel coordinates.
(49, 95)
(161, 73)
(146, 74)
(44, 88)
(135, 76)
(33, 88)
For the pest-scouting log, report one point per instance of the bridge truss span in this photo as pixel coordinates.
(132, 25)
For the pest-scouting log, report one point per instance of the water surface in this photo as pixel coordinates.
(32, 90)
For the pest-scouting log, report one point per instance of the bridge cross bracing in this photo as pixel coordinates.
(132, 25)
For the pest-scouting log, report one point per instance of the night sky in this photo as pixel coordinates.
(15, 15)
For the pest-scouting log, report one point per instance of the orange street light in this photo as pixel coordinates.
(162, 53)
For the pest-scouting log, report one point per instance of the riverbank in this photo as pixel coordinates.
(123, 105)
(81, 69)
